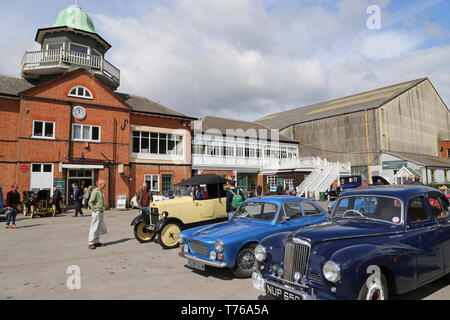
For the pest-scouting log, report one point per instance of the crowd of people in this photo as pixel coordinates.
(87, 198)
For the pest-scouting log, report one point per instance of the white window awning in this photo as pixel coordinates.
(82, 166)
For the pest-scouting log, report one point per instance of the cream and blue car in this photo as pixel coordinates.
(231, 244)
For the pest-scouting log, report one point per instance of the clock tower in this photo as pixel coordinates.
(71, 43)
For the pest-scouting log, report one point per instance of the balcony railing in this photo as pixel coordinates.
(50, 58)
(262, 164)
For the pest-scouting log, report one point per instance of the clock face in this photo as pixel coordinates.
(79, 112)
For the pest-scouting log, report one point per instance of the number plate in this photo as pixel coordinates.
(196, 265)
(281, 293)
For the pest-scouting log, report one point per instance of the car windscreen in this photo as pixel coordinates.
(371, 207)
(263, 211)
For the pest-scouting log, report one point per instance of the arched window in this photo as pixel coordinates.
(80, 92)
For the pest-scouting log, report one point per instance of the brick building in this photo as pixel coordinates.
(63, 121)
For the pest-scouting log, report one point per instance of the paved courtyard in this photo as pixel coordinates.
(34, 259)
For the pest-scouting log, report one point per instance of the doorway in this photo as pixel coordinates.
(82, 177)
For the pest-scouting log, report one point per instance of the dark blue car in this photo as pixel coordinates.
(231, 244)
(378, 241)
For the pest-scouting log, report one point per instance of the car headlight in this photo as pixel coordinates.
(331, 271)
(213, 255)
(260, 253)
(165, 214)
(186, 248)
(219, 246)
(180, 238)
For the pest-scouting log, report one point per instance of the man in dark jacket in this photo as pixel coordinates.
(77, 196)
(231, 194)
(12, 205)
(57, 198)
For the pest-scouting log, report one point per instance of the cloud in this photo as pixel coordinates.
(246, 59)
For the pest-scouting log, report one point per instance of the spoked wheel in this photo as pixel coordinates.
(375, 290)
(245, 262)
(142, 234)
(168, 236)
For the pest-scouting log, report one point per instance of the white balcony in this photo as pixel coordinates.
(46, 62)
(257, 164)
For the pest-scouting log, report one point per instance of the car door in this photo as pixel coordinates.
(441, 212)
(290, 216)
(205, 208)
(423, 235)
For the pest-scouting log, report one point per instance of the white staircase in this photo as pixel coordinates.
(320, 179)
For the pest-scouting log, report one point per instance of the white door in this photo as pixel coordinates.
(41, 177)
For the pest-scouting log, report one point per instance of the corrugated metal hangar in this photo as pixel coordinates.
(378, 131)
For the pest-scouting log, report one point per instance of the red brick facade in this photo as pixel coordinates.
(19, 150)
(444, 149)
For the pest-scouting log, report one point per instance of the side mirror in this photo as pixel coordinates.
(285, 219)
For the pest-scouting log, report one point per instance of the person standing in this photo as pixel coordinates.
(98, 226)
(417, 181)
(259, 191)
(77, 196)
(12, 205)
(86, 196)
(144, 197)
(57, 198)
(279, 189)
(235, 197)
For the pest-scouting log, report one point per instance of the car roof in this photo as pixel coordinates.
(276, 199)
(402, 191)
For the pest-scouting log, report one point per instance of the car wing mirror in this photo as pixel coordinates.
(285, 219)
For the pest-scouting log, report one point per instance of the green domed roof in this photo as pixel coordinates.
(75, 17)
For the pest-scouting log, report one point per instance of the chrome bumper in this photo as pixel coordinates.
(216, 264)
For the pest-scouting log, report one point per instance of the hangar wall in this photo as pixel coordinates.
(415, 121)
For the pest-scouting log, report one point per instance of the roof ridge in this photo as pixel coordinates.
(348, 96)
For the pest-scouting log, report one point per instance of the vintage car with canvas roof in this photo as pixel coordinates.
(231, 244)
(168, 217)
(392, 243)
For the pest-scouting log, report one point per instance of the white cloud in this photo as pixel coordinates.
(239, 59)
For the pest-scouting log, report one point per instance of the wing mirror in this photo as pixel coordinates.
(285, 219)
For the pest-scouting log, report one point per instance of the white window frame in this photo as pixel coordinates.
(90, 132)
(179, 139)
(78, 96)
(44, 122)
(151, 177)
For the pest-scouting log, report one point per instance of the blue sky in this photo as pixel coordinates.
(249, 58)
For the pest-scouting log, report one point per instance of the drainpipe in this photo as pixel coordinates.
(369, 175)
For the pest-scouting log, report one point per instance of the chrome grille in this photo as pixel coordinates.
(199, 247)
(315, 277)
(296, 257)
(154, 216)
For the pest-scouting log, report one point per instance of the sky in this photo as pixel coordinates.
(245, 59)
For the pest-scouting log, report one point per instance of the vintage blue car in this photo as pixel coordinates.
(231, 244)
(378, 241)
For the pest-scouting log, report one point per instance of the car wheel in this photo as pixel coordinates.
(245, 262)
(374, 290)
(168, 236)
(142, 234)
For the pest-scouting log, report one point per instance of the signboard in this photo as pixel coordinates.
(24, 168)
(121, 201)
(60, 184)
(394, 165)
